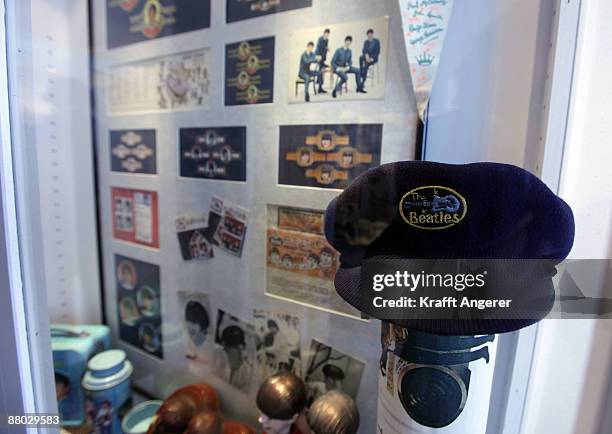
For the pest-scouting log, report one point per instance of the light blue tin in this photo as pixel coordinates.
(139, 418)
(73, 345)
(108, 395)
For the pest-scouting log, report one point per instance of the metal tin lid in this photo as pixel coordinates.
(106, 370)
(140, 417)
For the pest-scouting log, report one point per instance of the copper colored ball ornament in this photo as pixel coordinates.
(180, 407)
(206, 422)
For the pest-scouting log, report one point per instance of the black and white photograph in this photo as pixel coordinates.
(133, 151)
(233, 356)
(279, 343)
(329, 369)
(338, 62)
(198, 326)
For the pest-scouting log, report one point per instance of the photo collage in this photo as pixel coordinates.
(332, 63)
(245, 353)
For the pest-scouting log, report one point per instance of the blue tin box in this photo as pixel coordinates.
(73, 345)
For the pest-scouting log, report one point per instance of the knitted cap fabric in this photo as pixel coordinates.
(418, 209)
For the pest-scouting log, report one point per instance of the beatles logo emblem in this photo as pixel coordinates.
(433, 207)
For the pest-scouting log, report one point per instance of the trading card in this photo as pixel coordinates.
(237, 10)
(213, 153)
(249, 72)
(327, 156)
(133, 151)
(130, 21)
(139, 304)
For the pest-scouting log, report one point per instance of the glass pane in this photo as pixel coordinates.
(185, 223)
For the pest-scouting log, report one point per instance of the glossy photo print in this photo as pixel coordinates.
(327, 156)
(139, 304)
(338, 62)
(279, 343)
(244, 9)
(249, 72)
(198, 325)
(130, 21)
(213, 153)
(234, 353)
(133, 151)
(174, 82)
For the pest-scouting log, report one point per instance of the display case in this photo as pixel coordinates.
(177, 159)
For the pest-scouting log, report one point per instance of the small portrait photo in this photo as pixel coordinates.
(210, 138)
(149, 337)
(128, 311)
(329, 369)
(153, 16)
(148, 301)
(243, 80)
(226, 154)
(348, 159)
(118, 205)
(244, 50)
(327, 142)
(234, 352)
(252, 64)
(197, 323)
(305, 157)
(278, 343)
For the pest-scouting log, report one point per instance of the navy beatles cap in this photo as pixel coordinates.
(427, 210)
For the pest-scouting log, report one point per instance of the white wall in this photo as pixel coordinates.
(572, 362)
(487, 102)
(59, 146)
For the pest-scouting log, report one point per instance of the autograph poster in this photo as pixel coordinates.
(130, 21)
(175, 82)
(133, 151)
(249, 72)
(327, 156)
(138, 304)
(135, 216)
(243, 9)
(300, 263)
(213, 153)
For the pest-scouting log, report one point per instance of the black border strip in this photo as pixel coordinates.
(92, 108)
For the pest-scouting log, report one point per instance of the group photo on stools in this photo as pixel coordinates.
(339, 62)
